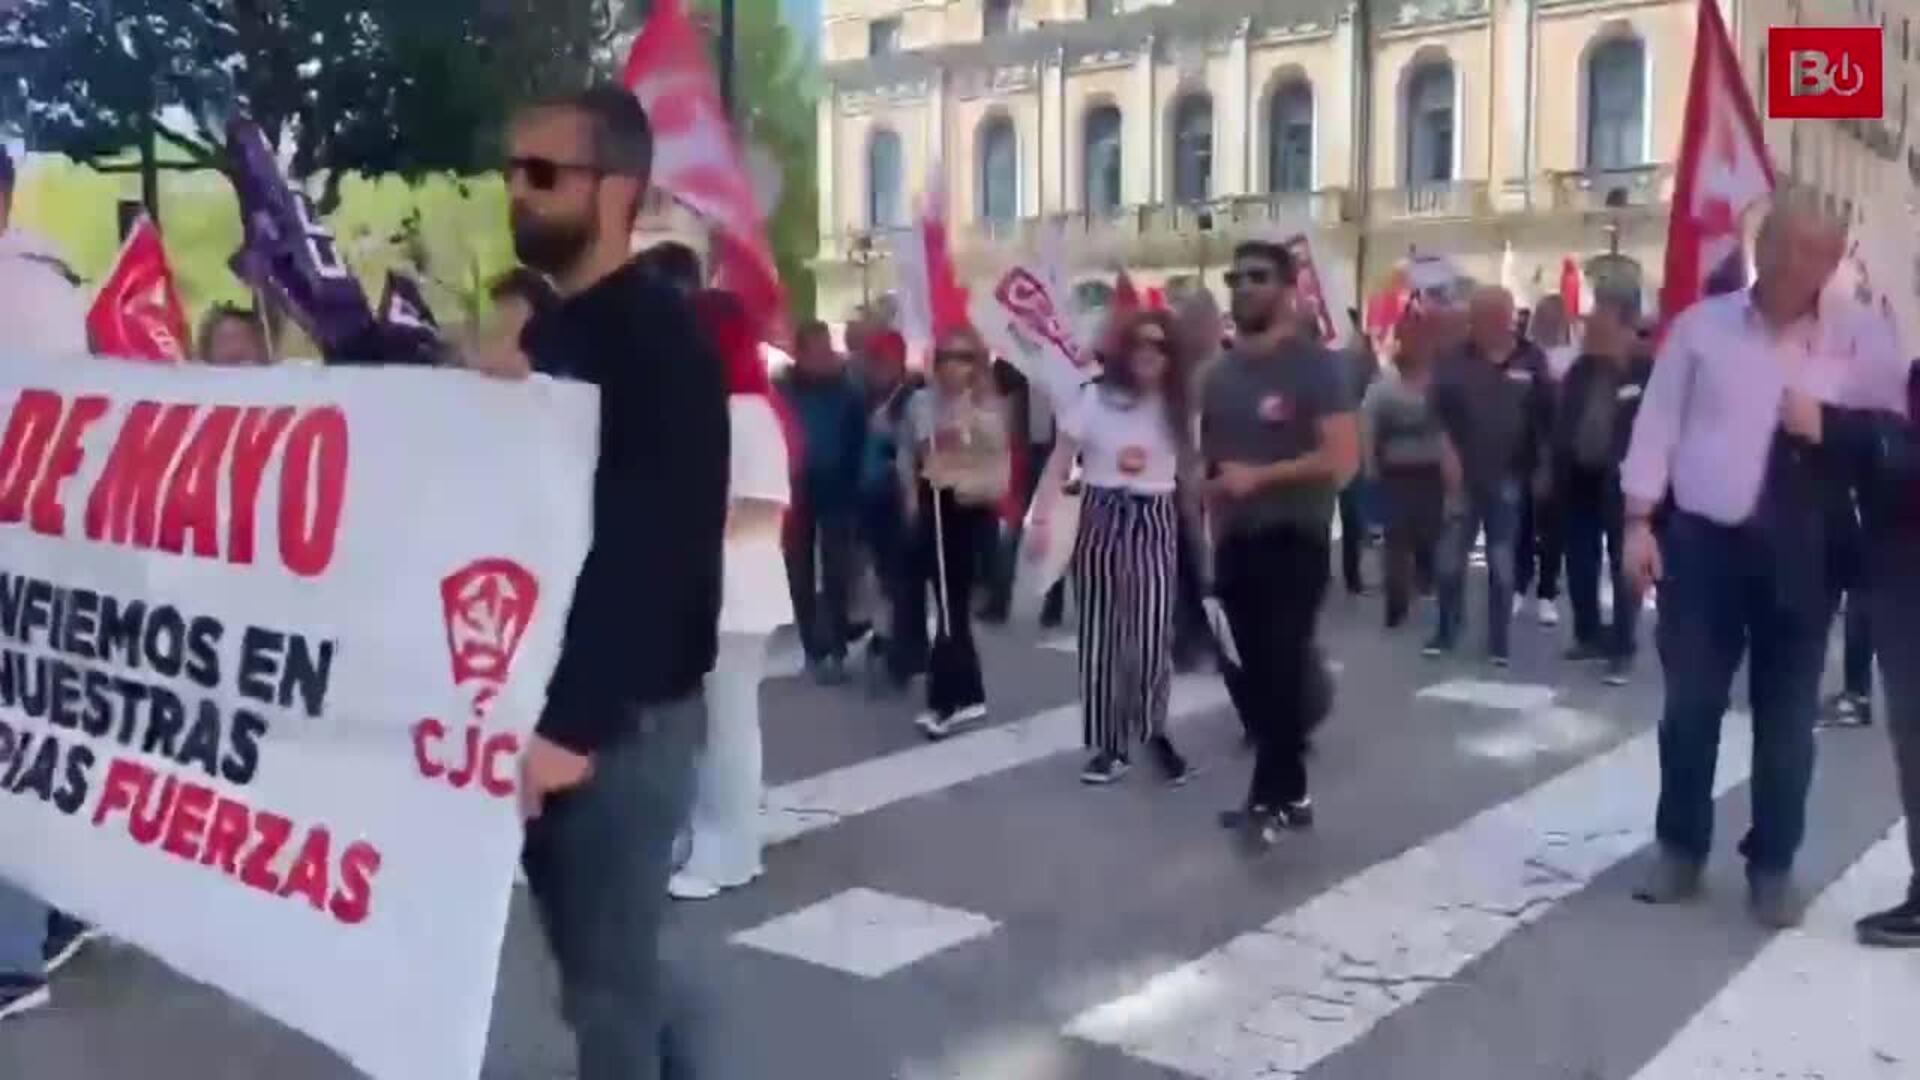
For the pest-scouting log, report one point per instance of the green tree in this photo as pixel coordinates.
(409, 87)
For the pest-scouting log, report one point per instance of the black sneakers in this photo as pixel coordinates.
(1173, 767)
(22, 993)
(1894, 928)
(1104, 768)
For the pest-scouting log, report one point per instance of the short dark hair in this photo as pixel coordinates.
(222, 313)
(622, 135)
(526, 286)
(811, 329)
(1268, 251)
(675, 263)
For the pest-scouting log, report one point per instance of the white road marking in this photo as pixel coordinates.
(1527, 736)
(1480, 693)
(822, 801)
(1813, 1003)
(1279, 1000)
(866, 932)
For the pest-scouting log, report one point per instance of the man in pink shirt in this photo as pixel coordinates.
(1731, 428)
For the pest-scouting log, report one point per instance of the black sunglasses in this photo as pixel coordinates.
(543, 174)
(1255, 278)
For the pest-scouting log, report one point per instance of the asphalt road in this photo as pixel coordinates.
(970, 910)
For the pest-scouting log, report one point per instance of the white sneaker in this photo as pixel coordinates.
(932, 725)
(969, 714)
(1549, 612)
(1519, 605)
(685, 886)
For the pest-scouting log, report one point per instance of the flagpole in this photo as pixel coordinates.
(726, 56)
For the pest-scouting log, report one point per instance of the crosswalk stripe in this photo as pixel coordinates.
(1813, 1002)
(1278, 1000)
(822, 801)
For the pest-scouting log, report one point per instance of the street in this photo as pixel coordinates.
(969, 909)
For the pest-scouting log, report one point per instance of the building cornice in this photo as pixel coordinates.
(1089, 44)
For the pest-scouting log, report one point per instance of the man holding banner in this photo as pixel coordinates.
(607, 779)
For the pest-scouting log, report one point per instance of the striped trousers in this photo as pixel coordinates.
(1125, 581)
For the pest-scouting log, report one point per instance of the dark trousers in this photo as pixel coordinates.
(896, 565)
(1271, 582)
(1893, 596)
(1856, 656)
(1192, 637)
(949, 538)
(1594, 513)
(597, 861)
(1413, 502)
(1537, 546)
(1355, 527)
(819, 548)
(1722, 599)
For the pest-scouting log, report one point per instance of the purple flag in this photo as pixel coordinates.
(287, 254)
(408, 331)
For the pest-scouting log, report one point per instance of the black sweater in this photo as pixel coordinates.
(643, 628)
(1591, 375)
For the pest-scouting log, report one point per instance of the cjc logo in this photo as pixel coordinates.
(487, 606)
(1825, 73)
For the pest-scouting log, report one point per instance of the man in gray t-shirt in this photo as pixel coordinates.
(1262, 406)
(1280, 439)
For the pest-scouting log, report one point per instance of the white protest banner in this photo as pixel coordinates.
(1026, 318)
(270, 643)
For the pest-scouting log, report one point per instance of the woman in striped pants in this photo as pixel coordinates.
(1130, 432)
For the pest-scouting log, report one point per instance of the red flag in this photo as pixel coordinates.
(1570, 286)
(1723, 172)
(1126, 298)
(1384, 310)
(697, 161)
(946, 297)
(137, 314)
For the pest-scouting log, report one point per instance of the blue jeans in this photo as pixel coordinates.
(1498, 513)
(23, 932)
(597, 861)
(1721, 598)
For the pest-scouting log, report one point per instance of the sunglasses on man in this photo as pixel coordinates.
(1252, 279)
(543, 174)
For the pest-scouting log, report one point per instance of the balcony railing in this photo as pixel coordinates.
(1163, 232)
(1439, 201)
(1601, 190)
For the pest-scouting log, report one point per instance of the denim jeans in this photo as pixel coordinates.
(1721, 600)
(1497, 511)
(819, 545)
(597, 861)
(23, 932)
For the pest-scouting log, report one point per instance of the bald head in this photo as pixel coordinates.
(1490, 320)
(1799, 247)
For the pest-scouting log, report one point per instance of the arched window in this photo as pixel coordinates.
(885, 209)
(1193, 149)
(997, 18)
(1290, 138)
(1100, 159)
(1617, 105)
(998, 158)
(1429, 125)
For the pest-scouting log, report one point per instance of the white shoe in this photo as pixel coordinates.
(1549, 612)
(1519, 605)
(685, 886)
(970, 714)
(932, 725)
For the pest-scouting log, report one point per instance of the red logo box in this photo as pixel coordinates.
(1826, 73)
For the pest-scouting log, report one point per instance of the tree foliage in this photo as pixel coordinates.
(374, 87)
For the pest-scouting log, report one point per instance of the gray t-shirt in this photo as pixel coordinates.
(1266, 408)
(1403, 429)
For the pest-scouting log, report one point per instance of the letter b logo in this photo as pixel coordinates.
(1825, 73)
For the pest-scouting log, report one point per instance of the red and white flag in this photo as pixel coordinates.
(932, 301)
(1723, 173)
(697, 160)
(137, 314)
